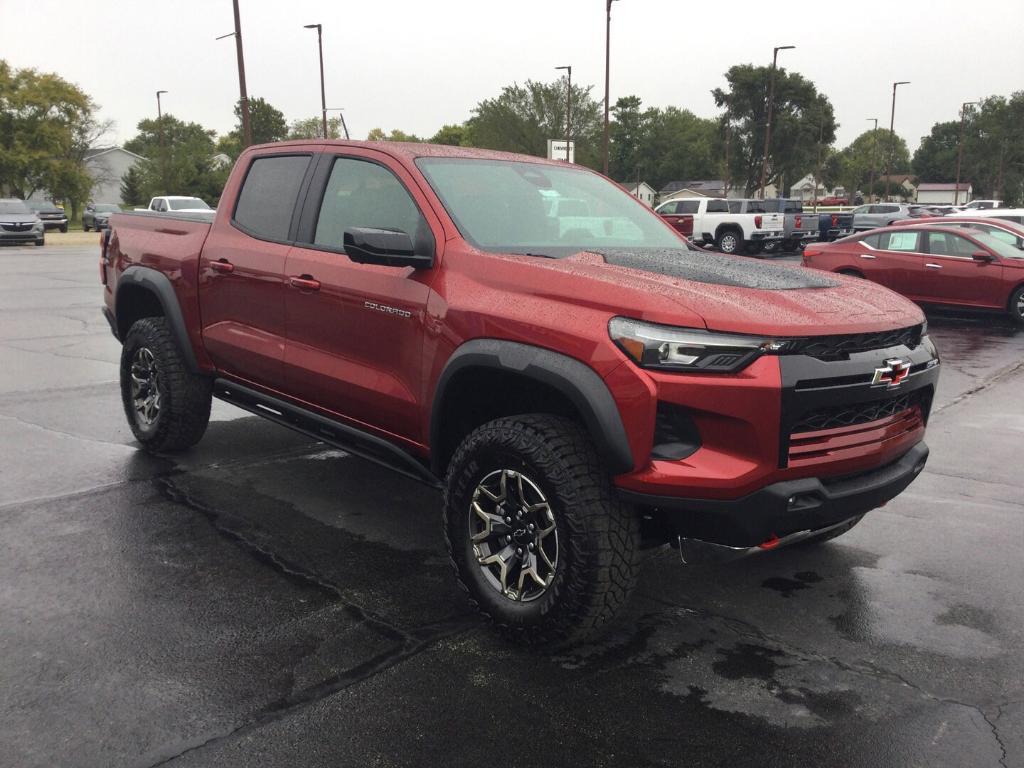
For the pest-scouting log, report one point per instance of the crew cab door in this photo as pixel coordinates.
(679, 213)
(241, 272)
(355, 331)
(952, 276)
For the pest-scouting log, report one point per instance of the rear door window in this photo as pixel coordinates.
(267, 200)
(688, 206)
(717, 206)
(948, 244)
(669, 208)
(900, 241)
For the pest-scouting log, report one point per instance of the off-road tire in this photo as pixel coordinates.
(732, 239)
(598, 535)
(185, 397)
(821, 538)
(1016, 306)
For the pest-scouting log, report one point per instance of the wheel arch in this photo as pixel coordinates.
(523, 375)
(146, 292)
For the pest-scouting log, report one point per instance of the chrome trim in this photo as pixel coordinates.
(700, 552)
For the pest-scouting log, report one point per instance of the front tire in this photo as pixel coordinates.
(168, 407)
(1016, 306)
(729, 241)
(535, 531)
(40, 242)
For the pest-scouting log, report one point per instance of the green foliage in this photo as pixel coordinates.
(313, 128)
(378, 134)
(266, 122)
(523, 117)
(132, 187)
(46, 126)
(852, 166)
(184, 166)
(798, 112)
(452, 135)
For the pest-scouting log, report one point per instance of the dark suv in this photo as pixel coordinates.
(53, 216)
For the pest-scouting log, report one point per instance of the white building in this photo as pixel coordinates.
(643, 192)
(106, 167)
(944, 194)
(806, 190)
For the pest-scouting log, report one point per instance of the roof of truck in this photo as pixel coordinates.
(412, 150)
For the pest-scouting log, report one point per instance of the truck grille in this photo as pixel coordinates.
(841, 347)
(17, 226)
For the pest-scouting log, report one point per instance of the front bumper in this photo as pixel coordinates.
(785, 508)
(55, 223)
(30, 236)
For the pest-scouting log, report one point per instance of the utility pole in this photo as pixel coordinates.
(728, 136)
(768, 123)
(960, 149)
(568, 110)
(892, 138)
(874, 160)
(607, 75)
(323, 98)
(817, 171)
(243, 97)
(160, 133)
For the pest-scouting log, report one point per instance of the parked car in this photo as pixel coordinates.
(20, 224)
(798, 227)
(932, 264)
(999, 228)
(53, 216)
(878, 215)
(176, 203)
(97, 215)
(832, 226)
(679, 215)
(831, 201)
(981, 205)
(730, 231)
(1016, 215)
(919, 211)
(574, 395)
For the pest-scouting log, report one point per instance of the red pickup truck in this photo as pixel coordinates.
(579, 389)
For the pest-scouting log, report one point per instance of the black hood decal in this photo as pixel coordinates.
(707, 267)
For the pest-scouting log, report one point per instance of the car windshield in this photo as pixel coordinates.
(13, 206)
(1001, 247)
(547, 210)
(106, 208)
(186, 202)
(44, 207)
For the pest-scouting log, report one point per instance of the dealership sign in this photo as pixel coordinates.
(556, 150)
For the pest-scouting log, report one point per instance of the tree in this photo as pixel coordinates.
(46, 127)
(452, 135)
(378, 134)
(523, 117)
(266, 122)
(627, 134)
(852, 167)
(935, 159)
(799, 115)
(184, 166)
(313, 128)
(132, 186)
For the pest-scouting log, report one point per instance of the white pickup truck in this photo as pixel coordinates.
(177, 204)
(713, 222)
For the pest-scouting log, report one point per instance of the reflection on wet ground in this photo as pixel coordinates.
(266, 600)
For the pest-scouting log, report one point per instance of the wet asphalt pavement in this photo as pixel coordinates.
(264, 600)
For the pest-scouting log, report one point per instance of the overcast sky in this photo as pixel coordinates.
(416, 64)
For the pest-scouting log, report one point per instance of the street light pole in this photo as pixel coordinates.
(323, 98)
(768, 123)
(960, 149)
(607, 75)
(160, 133)
(874, 159)
(341, 114)
(817, 167)
(243, 97)
(568, 110)
(892, 138)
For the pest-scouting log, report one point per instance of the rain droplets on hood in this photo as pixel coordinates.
(703, 267)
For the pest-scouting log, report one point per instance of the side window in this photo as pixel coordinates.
(363, 194)
(717, 206)
(900, 241)
(672, 207)
(689, 206)
(267, 200)
(875, 241)
(735, 206)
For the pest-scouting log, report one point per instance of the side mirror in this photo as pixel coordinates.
(982, 256)
(386, 247)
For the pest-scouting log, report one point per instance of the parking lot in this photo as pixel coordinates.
(265, 600)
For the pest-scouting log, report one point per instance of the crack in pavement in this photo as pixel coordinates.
(1002, 373)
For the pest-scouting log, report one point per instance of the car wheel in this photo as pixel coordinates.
(728, 241)
(40, 242)
(167, 406)
(851, 273)
(1017, 305)
(64, 229)
(535, 531)
(821, 538)
(85, 227)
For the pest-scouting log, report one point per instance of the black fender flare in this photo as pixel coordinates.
(578, 382)
(158, 284)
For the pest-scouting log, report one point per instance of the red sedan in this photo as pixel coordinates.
(932, 264)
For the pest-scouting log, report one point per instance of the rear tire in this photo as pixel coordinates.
(729, 241)
(554, 584)
(1016, 305)
(851, 273)
(835, 533)
(168, 407)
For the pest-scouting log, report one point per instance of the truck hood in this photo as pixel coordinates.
(743, 295)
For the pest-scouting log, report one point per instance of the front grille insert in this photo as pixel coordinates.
(854, 414)
(841, 347)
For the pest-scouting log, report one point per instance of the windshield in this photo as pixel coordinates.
(13, 206)
(1000, 247)
(44, 207)
(519, 207)
(106, 208)
(186, 202)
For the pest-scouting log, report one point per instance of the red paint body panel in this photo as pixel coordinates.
(328, 350)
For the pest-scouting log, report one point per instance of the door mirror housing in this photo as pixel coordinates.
(386, 247)
(982, 256)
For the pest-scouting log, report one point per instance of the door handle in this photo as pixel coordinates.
(222, 265)
(304, 283)
(933, 266)
(867, 256)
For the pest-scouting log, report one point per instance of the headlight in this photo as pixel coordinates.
(685, 349)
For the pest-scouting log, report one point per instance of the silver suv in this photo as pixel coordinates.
(879, 215)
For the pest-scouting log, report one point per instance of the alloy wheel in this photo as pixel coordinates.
(145, 376)
(513, 534)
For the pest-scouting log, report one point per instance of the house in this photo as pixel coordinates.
(106, 166)
(703, 188)
(806, 190)
(900, 184)
(945, 194)
(643, 192)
